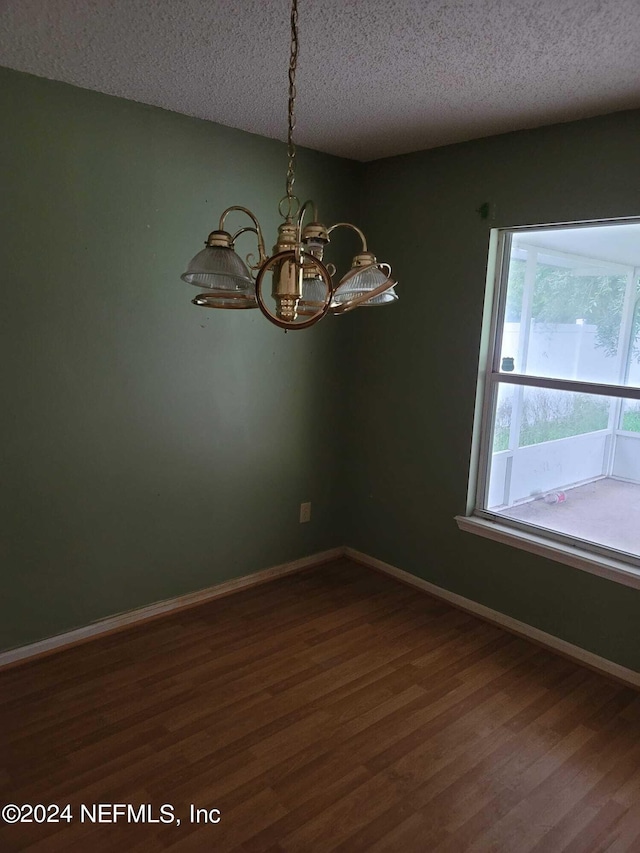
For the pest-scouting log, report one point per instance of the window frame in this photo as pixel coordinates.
(582, 553)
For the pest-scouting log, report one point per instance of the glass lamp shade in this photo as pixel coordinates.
(221, 271)
(363, 282)
(385, 298)
(314, 295)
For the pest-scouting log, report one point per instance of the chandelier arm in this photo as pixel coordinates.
(262, 255)
(343, 307)
(310, 203)
(353, 228)
(243, 231)
(250, 257)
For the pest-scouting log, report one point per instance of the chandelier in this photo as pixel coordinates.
(302, 288)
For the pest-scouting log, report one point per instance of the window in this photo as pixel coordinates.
(559, 439)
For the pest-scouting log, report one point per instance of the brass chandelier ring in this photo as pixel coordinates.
(291, 207)
(298, 256)
(236, 300)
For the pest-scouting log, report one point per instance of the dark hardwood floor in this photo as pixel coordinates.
(334, 709)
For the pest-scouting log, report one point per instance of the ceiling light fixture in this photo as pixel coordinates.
(302, 288)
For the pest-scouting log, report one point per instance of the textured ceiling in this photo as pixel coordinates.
(375, 78)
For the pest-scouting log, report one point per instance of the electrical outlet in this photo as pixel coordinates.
(305, 512)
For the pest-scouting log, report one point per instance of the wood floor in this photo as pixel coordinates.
(331, 710)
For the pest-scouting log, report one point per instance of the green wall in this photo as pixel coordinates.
(412, 403)
(150, 448)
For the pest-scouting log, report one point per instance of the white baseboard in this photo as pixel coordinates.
(180, 602)
(580, 655)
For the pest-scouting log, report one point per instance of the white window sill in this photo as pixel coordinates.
(596, 564)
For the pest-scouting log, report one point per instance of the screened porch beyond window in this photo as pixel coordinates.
(564, 400)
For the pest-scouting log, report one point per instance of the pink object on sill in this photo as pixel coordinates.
(555, 498)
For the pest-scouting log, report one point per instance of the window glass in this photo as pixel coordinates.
(564, 313)
(560, 455)
(569, 469)
(632, 377)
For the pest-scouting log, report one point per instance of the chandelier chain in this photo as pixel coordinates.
(293, 63)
